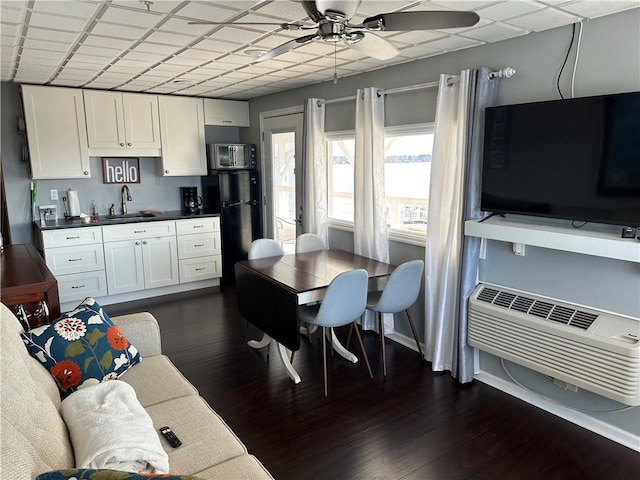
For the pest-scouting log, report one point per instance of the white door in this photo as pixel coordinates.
(160, 260)
(123, 263)
(282, 177)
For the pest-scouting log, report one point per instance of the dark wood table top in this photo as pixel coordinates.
(305, 272)
(23, 269)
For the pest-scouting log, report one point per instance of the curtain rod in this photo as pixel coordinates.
(506, 72)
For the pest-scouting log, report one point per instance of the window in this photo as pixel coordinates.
(407, 174)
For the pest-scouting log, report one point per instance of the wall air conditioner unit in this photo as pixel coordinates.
(592, 349)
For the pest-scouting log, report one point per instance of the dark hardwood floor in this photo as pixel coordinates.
(415, 425)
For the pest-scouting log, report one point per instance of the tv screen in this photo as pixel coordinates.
(577, 159)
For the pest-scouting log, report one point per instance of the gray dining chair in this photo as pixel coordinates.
(400, 292)
(264, 247)
(344, 302)
(310, 242)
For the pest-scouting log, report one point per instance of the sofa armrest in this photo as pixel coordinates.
(142, 330)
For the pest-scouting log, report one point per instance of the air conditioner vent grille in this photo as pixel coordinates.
(546, 310)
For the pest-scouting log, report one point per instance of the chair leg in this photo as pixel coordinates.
(384, 353)
(353, 325)
(415, 334)
(364, 353)
(324, 358)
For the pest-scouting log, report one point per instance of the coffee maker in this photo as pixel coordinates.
(191, 202)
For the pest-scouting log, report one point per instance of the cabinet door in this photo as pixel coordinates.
(141, 120)
(182, 136)
(123, 263)
(105, 119)
(76, 259)
(56, 132)
(160, 260)
(232, 113)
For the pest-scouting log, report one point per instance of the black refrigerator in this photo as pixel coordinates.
(235, 195)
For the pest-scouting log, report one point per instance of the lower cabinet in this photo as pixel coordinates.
(199, 252)
(140, 262)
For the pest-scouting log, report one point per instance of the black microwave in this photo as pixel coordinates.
(231, 156)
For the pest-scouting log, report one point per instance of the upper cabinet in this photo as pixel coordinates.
(232, 113)
(56, 132)
(182, 133)
(122, 124)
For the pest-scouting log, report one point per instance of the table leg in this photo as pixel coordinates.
(284, 356)
(343, 352)
(257, 344)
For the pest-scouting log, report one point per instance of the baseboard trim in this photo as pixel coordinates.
(578, 418)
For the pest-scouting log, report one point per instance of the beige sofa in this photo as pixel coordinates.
(34, 438)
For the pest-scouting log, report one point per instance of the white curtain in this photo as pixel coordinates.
(314, 170)
(451, 260)
(370, 221)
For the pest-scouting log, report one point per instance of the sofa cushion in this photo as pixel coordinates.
(83, 347)
(93, 474)
(245, 467)
(206, 439)
(157, 380)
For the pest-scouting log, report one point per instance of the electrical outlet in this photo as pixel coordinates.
(54, 194)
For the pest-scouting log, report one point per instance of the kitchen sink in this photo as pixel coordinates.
(130, 215)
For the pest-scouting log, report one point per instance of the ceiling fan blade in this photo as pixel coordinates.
(374, 46)
(285, 47)
(427, 20)
(283, 26)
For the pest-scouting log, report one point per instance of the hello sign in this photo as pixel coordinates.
(121, 170)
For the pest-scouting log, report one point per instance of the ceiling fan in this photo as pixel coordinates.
(332, 25)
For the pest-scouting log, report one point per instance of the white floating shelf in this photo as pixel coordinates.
(596, 241)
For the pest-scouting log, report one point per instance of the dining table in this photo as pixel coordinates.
(271, 290)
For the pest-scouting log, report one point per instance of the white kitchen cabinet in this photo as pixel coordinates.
(76, 258)
(122, 124)
(199, 249)
(182, 136)
(56, 132)
(140, 256)
(232, 113)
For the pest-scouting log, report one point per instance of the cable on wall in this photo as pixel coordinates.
(575, 63)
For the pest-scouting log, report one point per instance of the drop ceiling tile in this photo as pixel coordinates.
(216, 45)
(371, 8)
(8, 52)
(203, 11)
(8, 41)
(255, 69)
(46, 45)
(75, 75)
(180, 25)
(283, 9)
(543, 19)
(270, 41)
(505, 10)
(84, 10)
(260, 23)
(167, 68)
(8, 14)
(236, 35)
(594, 9)
(161, 6)
(184, 62)
(10, 29)
(421, 51)
(98, 51)
(235, 60)
(461, 4)
(197, 54)
(417, 36)
(162, 89)
(155, 49)
(61, 22)
(100, 41)
(131, 18)
(304, 68)
(130, 70)
(495, 33)
(41, 56)
(101, 85)
(194, 77)
(209, 70)
(452, 43)
(51, 35)
(118, 31)
(90, 59)
(166, 38)
(234, 76)
(68, 82)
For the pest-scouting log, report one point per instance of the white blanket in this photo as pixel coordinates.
(110, 429)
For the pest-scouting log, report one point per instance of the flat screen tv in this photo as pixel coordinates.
(576, 159)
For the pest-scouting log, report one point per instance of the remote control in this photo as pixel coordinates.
(170, 436)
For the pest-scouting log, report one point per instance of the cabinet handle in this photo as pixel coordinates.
(122, 144)
(77, 286)
(137, 242)
(198, 226)
(86, 172)
(73, 238)
(129, 144)
(139, 231)
(198, 244)
(167, 172)
(227, 121)
(145, 242)
(200, 269)
(75, 259)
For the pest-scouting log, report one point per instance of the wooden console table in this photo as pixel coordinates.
(27, 280)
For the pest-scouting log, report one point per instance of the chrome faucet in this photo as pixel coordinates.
(125, 198)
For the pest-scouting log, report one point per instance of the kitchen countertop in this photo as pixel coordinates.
(104, 221)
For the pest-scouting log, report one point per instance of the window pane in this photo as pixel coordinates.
(341, 155)
(407, 171)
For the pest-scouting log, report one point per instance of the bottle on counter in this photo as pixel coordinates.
(94, 212)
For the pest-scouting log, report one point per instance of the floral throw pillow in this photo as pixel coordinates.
(82, 347)
(90, 474)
